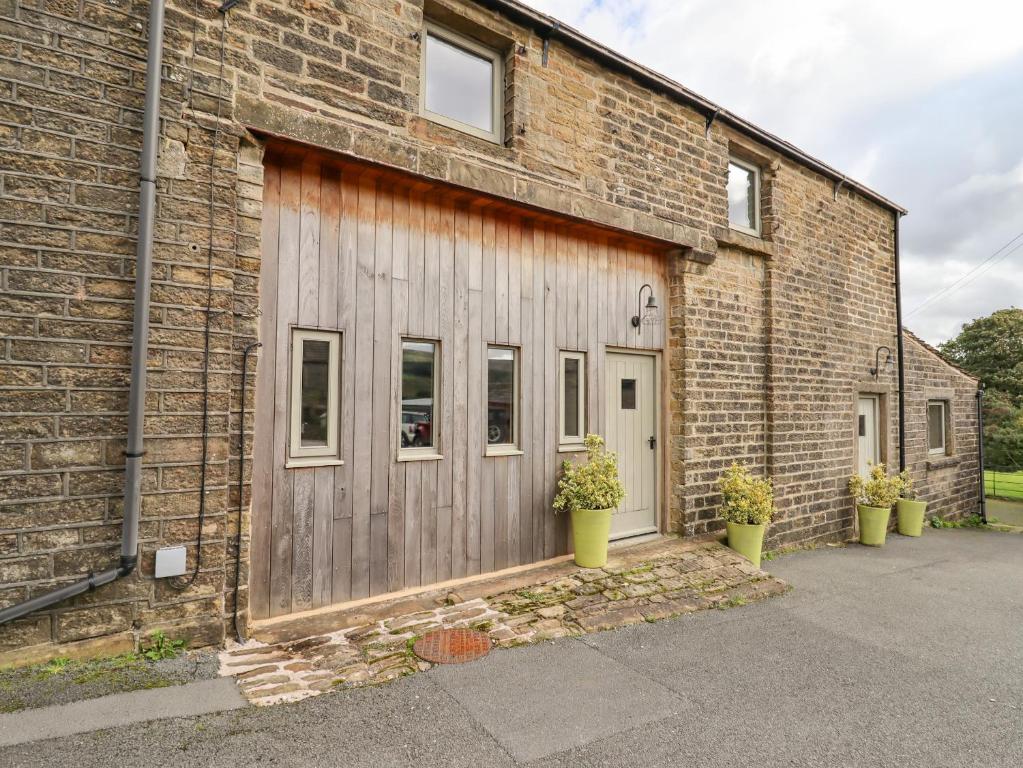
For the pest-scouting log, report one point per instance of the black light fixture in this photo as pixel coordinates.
(644, 315)
(888, 364)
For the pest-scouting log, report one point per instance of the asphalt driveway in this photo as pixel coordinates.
(907, 656)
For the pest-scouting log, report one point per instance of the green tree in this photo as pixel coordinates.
(991, 348)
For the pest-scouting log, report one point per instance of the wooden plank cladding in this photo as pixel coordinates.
(380, 258)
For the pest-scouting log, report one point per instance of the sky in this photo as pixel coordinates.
(921, 100)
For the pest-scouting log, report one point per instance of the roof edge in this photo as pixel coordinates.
(937, 353)
(550, 27)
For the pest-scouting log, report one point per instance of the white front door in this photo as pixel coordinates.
(631, 389)
(868, 433)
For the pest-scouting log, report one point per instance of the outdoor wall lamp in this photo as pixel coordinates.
(645, 315)
(888, 365)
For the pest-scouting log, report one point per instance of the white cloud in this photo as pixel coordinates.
(920, 99)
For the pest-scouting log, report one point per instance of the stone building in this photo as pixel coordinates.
(441, 219)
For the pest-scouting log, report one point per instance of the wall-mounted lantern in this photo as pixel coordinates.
(645, 315)
(886, 367)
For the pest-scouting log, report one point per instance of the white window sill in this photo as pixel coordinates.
(503, 450)
(420, 456)
(313, 461)
(571, 448)
(744, 230)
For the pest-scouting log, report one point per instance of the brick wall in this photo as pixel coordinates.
(769, 337)
(949, 484)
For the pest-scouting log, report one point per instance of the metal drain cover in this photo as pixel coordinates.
(452, 646)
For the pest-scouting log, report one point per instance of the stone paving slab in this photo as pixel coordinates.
(650, 584)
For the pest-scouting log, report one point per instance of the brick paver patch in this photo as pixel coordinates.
(676, 580)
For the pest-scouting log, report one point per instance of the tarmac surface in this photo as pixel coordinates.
(909, 655)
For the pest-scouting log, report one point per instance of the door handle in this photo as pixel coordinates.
(653, 441)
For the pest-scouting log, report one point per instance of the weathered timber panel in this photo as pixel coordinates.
(381, 257)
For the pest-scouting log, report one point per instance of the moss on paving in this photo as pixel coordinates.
(63, 680)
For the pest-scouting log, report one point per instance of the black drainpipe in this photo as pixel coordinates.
(140, 342)
(900, 352)
(980, 450)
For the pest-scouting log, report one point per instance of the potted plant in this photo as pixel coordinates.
(875, 498)
(909, 513)
(747, 507)
(591, 492)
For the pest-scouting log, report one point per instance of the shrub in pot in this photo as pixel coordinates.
(909, 513)
(875, 496)
(590, 491)
(747, 507)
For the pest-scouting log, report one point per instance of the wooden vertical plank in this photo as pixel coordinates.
(445, 331)
(323, 535)
(263, 466)
(307, 279)
(431, 268)
(489, 280)
(416, 264)
(384, 398)
(347, 270)
(476, 423)
(287, 314)
(539, 344)
(525, 505)
(456, 443)
(413, 519)
(592, 335)
(396, 480)
(596, 385)
(362, 458)
(428, 540)
(553, 321)
(575, 293)
(326, 317)
(501, 271)
(515, 280)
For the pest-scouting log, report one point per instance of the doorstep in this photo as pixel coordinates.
(304, 655)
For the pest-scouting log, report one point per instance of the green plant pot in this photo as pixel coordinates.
(747, 540)
(590, 531)
(910, 516)
(873, 524)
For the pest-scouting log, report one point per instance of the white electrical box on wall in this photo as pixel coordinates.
(170, 561)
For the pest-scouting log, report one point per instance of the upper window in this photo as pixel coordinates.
(573, 398)
(936, 426)
(315, 379)
(502, 398)
(461, 84)
(743, 196)
(418, 434)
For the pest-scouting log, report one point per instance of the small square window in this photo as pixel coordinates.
(315, 392)
(461, 83)
(419, 394)
(743, 197)
(573, 398)
(502, 397)
(936, 427)
(628, 394)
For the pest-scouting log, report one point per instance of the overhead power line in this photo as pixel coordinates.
(968, 277)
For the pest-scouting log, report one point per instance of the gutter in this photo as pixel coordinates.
(900, 351)
(140, 341)
(548, 28)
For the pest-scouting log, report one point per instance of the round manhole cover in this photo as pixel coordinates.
(452, 646)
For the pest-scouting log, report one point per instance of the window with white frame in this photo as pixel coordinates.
(937, 427)
(502, 398)
(743, 196)
(418, 434)
(461, 83)
(572, 374)
(315, 396)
